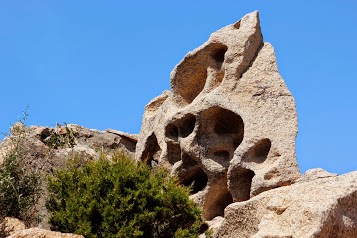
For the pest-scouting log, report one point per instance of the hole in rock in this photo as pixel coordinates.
(237, 25)
(187, 125)
(259, 152)
(227, 122)
(221, 132)
(197, 178)
(224, 155)
(204, 227)
(225, 199)
(45, 134)
(151, 150)
(173, 152)
(171, 131)
(243, 184)
(188, 161)
(219, 52)
(217, 199)
(190, 77)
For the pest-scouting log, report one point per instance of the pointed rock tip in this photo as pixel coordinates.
(253, 16)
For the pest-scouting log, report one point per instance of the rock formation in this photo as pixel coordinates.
(229, 123)
(46, 149)
(319, 205)
(228, 128)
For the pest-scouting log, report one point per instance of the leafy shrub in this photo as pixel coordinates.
(120, 198)
(18, 189)
(19, 185)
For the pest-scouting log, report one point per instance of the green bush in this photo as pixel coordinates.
(19, 189)
(120, 198)
(19, 184)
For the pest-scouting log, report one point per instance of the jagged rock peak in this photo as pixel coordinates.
(228, 124)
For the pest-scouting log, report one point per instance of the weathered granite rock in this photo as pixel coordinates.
(41, 233)
(35, 146)
(321, 207)
(87, 142)
(313, 174)
(229, 123)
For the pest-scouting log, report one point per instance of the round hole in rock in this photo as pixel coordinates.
(45, 134)
(190, 77)
(227, 122)
(171, 131)
(259, 152)
(187, 125)
(204, 227)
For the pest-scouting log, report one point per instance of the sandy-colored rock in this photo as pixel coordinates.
(313, 174)
(41, 233)
(78, 142)
(229, 123)
(11, 225)
(322, 207)
(87, 142)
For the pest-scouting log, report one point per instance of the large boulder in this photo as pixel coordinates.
(229, 123)
(319, 205)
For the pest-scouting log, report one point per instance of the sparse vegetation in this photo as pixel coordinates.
(19, 185)
(57, 140)
(120, 198)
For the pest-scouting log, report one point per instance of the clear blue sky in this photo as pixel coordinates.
(98, 63)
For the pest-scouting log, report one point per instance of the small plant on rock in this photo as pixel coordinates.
(57, 139)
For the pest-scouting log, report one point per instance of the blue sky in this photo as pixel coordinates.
(98, 63)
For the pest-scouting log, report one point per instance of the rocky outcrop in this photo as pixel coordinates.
(318, 206)
(45, 149)
(41, 233)
(229, 123)
(227, 128)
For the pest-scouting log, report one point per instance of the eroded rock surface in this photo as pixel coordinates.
(319, 207)
(229, 123)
